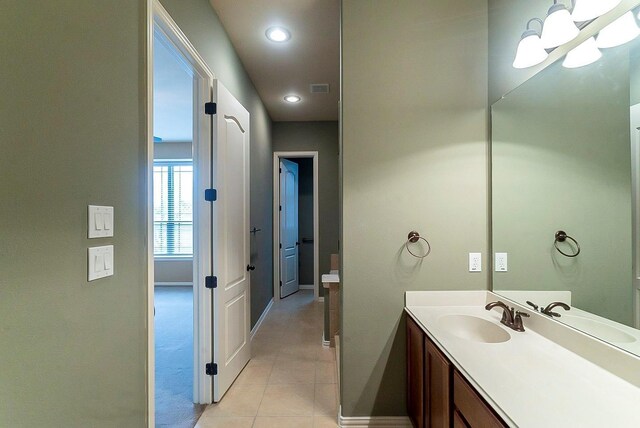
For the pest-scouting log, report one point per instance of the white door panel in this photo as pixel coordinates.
(290, 282)
(231, 322)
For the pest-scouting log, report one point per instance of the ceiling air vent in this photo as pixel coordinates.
(319, 88)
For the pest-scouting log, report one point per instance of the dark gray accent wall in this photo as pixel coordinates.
(414, 157)
(202, 26)
(72, 133)
(323, 138)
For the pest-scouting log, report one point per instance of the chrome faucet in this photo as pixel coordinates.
(510, 318)
(549, 309)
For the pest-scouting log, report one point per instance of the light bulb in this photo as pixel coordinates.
(619, 32)
(278, 34)
(586, 10)
(292, 98)
(530, 51)
(584, 54)
(558, 28)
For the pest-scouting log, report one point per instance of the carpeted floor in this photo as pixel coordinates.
(174, 358)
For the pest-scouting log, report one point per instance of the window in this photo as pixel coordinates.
(173, 208)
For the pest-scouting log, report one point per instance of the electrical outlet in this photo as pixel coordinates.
(475, 262)
(501, 262)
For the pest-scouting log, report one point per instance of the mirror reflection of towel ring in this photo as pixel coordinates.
(561, 236)
(414, 237)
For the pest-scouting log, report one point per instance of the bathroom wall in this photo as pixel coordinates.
(415, 133)
(199, 22)
(72, 130)
(323, 138)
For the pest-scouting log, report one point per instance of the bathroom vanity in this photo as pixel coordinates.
(466, 369)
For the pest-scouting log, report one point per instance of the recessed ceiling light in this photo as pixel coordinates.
(292, 99)
(278, 34)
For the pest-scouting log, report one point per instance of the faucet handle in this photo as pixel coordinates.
(517, 320)
(533, 305)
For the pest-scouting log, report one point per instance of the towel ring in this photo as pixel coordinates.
(414, 237)
(562, 236)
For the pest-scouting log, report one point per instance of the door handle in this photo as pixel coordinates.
(250, 267)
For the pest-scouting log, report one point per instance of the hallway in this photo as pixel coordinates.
(291, 378)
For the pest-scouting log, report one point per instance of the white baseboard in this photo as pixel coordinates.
(325, 342)
(255, 328)
(374, 421)
(321, 299)
(173, 284)
(306, 287)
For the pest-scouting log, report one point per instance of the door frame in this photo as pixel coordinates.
(634, 119)
(276, 220)
(159, 23)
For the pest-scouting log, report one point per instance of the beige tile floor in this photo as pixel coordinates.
(291, 378)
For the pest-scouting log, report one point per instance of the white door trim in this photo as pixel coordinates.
(276, 221)
(634, 116)
(159, 23)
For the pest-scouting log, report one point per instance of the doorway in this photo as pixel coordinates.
(296, 223)
(179, 224)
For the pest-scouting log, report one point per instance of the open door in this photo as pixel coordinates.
(231, 299)
(289, 278)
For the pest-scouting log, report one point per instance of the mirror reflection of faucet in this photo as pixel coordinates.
(548, 310)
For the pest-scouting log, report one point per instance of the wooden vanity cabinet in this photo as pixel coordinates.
(438, 396)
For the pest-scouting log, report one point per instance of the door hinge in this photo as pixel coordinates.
(210, 108)
(281, 246)
(211, 369)
(280, 283)
(280, 207)
(210, 195)
(280, 170)
(211, 282)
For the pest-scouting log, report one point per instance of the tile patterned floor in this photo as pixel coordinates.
(291, 378)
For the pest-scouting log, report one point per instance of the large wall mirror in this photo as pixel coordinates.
(565, 157)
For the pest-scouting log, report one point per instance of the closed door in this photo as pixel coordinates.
(289, 280)
(231, 300)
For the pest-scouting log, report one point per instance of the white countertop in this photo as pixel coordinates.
(529, 380)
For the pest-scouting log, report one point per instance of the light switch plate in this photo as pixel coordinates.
(100, 262)
(475, 262)
(501, 262)
(100, 221)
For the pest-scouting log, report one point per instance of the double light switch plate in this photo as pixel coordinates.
(100, 224)
(100, 262)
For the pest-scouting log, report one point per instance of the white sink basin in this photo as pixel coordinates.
(473, 328)
(598, 329)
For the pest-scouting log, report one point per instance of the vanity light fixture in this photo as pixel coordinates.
(619, 32)
(530, 50)
(584, 54)
(586, 10)
(292, 99)
(558, 27)
(278, 34)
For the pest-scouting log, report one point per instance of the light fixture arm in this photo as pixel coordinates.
(535, 20)
(573, 3)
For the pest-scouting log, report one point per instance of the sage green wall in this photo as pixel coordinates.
(199, 22)
(323, 138)
(73, 353)
(415, 132)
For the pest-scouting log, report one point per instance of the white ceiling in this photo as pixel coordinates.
(278, 69)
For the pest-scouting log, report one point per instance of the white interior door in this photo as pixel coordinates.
(231, 300)
(289, 279)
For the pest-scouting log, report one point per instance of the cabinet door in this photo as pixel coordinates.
(472, 407)
(415, 373)
(438, 372)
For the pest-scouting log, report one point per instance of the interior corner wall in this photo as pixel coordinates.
(72, 133)
(198, 20)
(414, 154)
(323, 138)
